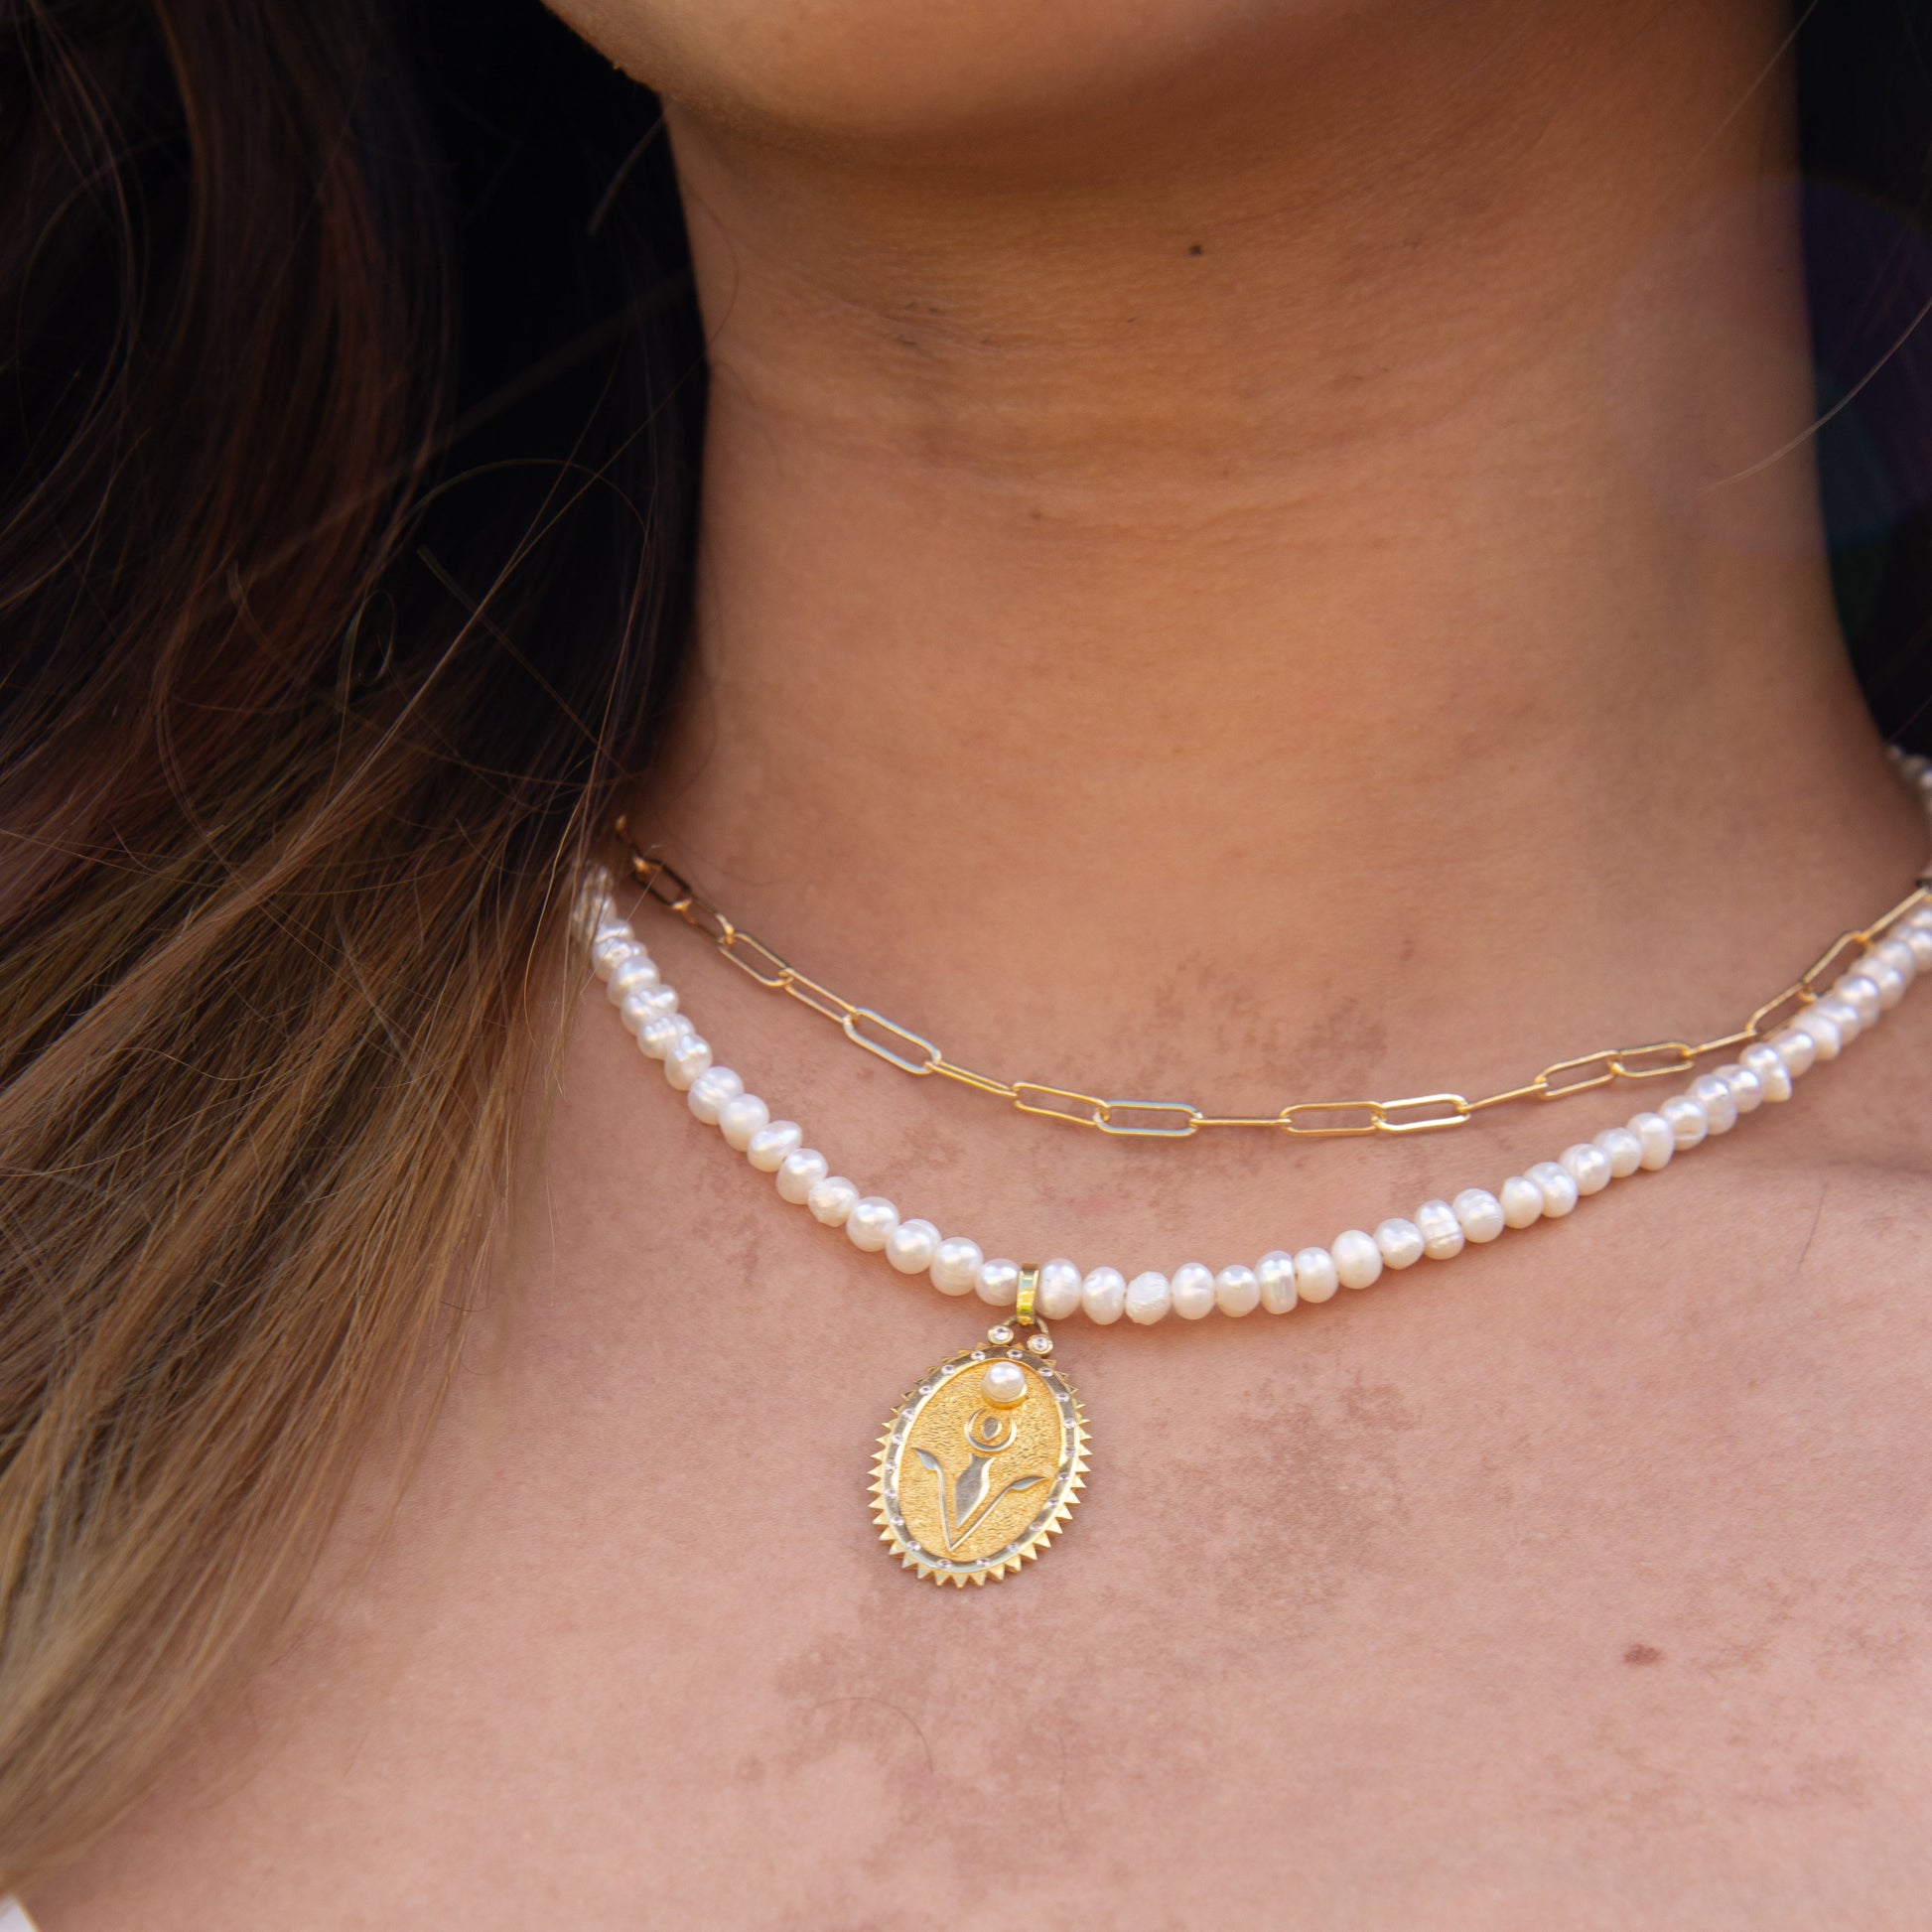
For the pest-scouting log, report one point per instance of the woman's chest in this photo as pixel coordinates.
(1617, 1610)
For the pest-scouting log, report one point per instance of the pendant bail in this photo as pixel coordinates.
(1022, 1311)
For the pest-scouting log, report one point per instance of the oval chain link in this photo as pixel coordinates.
(1176, 1119)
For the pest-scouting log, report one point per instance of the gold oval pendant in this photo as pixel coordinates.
(980, 1464)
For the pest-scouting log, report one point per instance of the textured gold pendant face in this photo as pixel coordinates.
(981, 1463)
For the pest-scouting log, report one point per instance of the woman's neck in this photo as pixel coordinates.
(1304, 526)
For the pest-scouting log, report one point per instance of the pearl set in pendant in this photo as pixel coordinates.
(1762, 1074)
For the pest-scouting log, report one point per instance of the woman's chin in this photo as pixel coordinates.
(866, 73)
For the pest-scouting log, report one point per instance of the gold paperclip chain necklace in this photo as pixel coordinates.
(1174, 1120)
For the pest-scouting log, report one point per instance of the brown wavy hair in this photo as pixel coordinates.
(351, 425)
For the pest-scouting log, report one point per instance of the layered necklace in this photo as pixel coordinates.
(984, 1457)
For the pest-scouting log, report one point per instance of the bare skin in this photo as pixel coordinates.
(1222, 578)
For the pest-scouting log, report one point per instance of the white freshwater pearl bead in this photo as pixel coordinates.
(769, 1148)
(955, 1265)
(832, 1199)
(1844, 1016)
(1623, 1148)
(1773, 1076)
(710, 1090)
(1103, 1294)
(1478, 1213)
(1889, 981)
(911, 1247)
(634, 974)
(1238, 1290)
(1895, 953)
(1275, 1271)
(996, 1283)
(657, 1038)
(1150, 1298)
(1443, 1238)
(1557, 1185)
(1860, 993)
(1192, 1291)
(1849, 1021)
(1796, 1049)
(1657, 1137)
(1315, 1279)
(688, 1056)
(1919, 939)
(1587, 1166)
(870, 1224)
(1719, 1104)
(800, 1172)
(1688, 1123)
(1521, 1201)
(1004, 1384)
(1059, 1292)
(1359, 1261)
(1400, 1241)
(1822, 1028)
(644, 1004)
(1746, 1090)
(740, 1117)
(611, 948)
(1899, 959)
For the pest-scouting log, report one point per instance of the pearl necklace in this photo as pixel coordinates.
(984, 1457)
